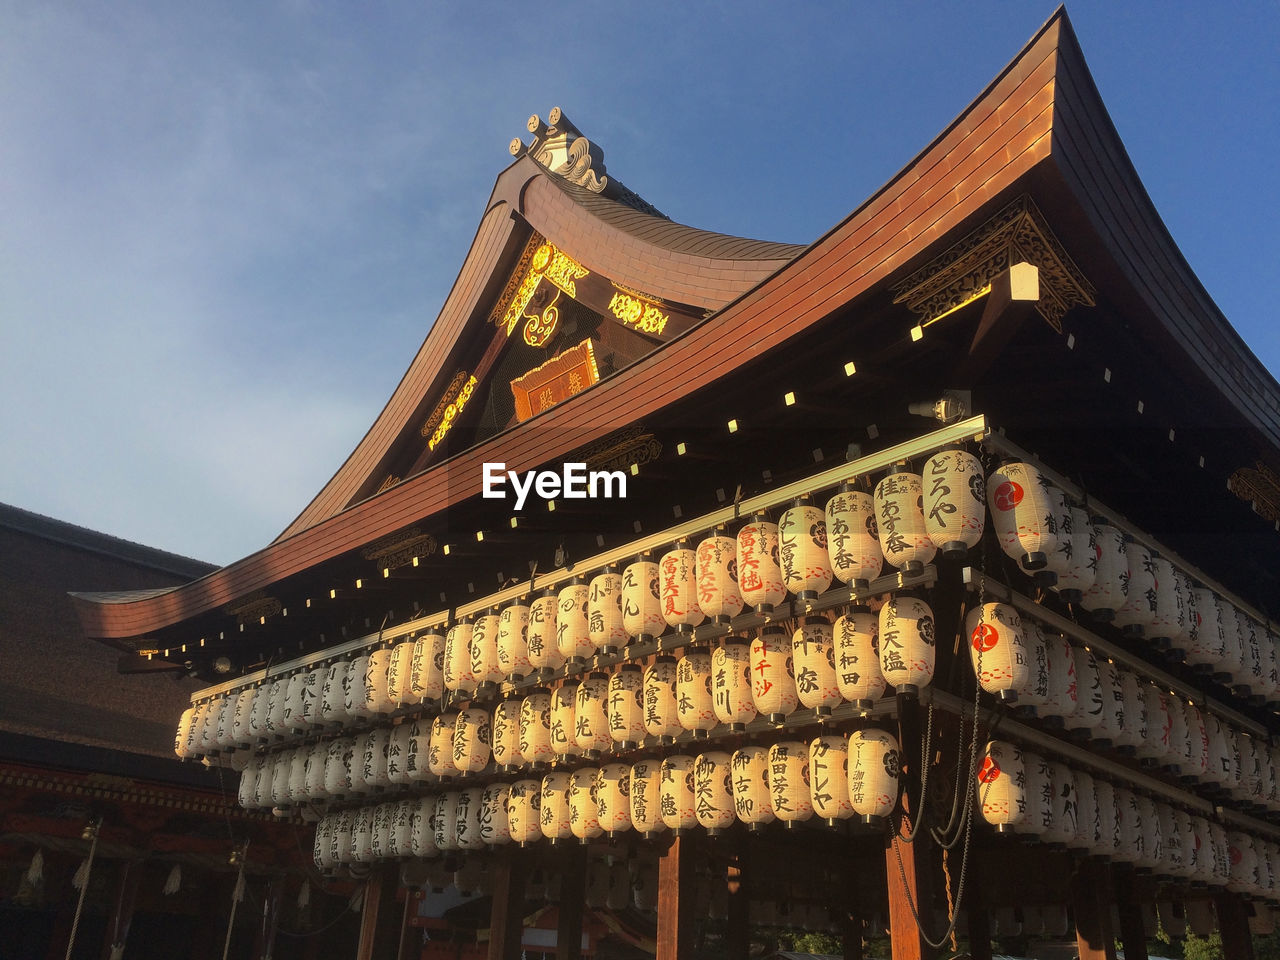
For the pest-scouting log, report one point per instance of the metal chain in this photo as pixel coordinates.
(84, 889)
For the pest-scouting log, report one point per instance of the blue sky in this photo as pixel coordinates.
(225, 229)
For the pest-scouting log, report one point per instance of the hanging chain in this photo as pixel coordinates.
(84, 889)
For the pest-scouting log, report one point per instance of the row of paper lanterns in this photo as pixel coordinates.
(1029, 794)
(831, 777)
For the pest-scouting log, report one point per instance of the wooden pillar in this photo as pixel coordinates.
(737, 932)
(573, 894)
(1133, 937)
(1233, 924)
(506, 915)
(379, 929)
(908, 867)
(127, 876)
(676, 899)
(1095, 939)
(410, 935)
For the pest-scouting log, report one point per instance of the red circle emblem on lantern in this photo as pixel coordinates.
(985, 637)
(1008, 495)
(990, 771)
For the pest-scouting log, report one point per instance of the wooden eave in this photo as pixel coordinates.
(1038, 129)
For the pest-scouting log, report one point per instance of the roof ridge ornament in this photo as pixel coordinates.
(560, 146)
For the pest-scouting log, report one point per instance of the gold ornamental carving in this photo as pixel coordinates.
(255, 608)
(1260, 486)
(622, 448)
(1017, 233)
(522, 300)
(400, 549)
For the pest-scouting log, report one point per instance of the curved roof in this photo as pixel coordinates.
(1039, 129)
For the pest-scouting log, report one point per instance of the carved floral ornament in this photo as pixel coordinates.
(1017, 233)
(1260, 486)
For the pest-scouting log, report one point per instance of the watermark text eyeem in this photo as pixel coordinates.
(573, 482)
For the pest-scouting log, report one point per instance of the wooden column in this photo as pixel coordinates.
(675, 899)
(1133, 938)
(1095, 940)
(908, 866)
(1233, 924)
(410, 935)
(506, 915)
(737, 938)
(573, 893)
(379, 929)
(127, 876)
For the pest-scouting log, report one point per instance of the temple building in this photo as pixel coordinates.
(914, 583)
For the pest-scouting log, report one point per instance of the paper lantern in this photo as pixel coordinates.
(224, 732)
(1090, 714)
(694, 701)
(998, 650)
(182, 738)
(1141, 596)
(1179, 733)
(1108, 822)
(646, 800)
(829, 778)
(584, 818)
(355, 691)
(1242, 863)
(457, 659)
(1195, 762)
(642, 601)
(719, 596)
(954, 501)
(471, 740)
(556, 816)
(661, 711)
(613, 798)
(905, 542)
(604, 612)
(341, 847)
(422, 841)
(1058, 561)
(591, 715)
(1133, 717)
(906, 643)
(506, 735)
(1252, 681)
(874, 766)
(362, 835)
(813, 659)
(596, 885)
(293, 720)
(626, 706)
(241, 715)
(1002, 784)
(535, 728)
(789, 781)
(1037, 791)
(853, 540)
(258, 716)
(416, 763)
(427, 681)
(731, 683)
(1207, 643)
(378, 697)
(573, 630)
(1063, 803)
(400, 674)
(750, 769)
(1088, 830)
(400, 843)
(380, 817)
(1169, 622)
(759, 571)
(678, 588)
(337, 767)
(773, 685)
(713, 790)
(485, 668)
(1113, 704)
(373, 771)
(856, 640)
(1022, 514)
(1172, 863)
(1218, 770)
(1253, 789)
(675, 793)
(398, 747)
(1152, 855)
(1108, 592)
(564, 741)
(1129, 832)
(524, 811)
(543, 636)
(513, 642)
(802, 550)
(246, 794)
(1078, 541)
(322, 849)
(1231, 668)
(1062, 699)
(440, 745)
(281, 769)
(444, 820)
(1154, 748)
(644, 887)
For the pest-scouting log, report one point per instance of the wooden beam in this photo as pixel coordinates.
(1013, 298)
(378, 928)
(1233, 925)
(573, 893)
(1133, 936)
(908, 867)
(1095, 940)
(506, 915)
(410, 935)
(676, 899)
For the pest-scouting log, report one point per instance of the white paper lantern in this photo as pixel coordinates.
(1154, 748)
(416, 763)
(642, 601)
(1129, 832)
(661, 711)
(427, 681)
(773, 685)
(440, 745)
(613, 798)
(1169, 623)
(678, 588)
(222, 723)
(954, 501)
(337, 768)
(1063, 803)
(713, 790)
(1152, 854)
(813, 660)
(246, 794)
(750, 769)
(646, 799)
(1231, 668)
(1088, 830)
(485, 668)
(1038, 793)
(362, 835)
(591, 715)
(1251, 683)
(1022, 513)
(1078, 541)
(1002, 785)
(182, 738)
(694, 701)
(905, 542)
(378, 697)
(626, 706)
(535, 728)
(1195, 762)
(1108, 823)
(1062, 700)
(243, 713)
(584, 818)
(444, 821)
(400, 673)
(422, 840)
(524, 811)
(374, 765)
(472, 734)
(543, 636)
(853, 540)
(759, 570)
(276, 700)
(293, 720)
(874, 770)
(675, 793)
(1133, 718)
(564, 739)
(998, 650)
(906, 643)
(1172, 863)
(1090, 714)
(398, 747)
(556, 816)
(789, 781)
(604, 612)
(1107, 594)
(802, 550)
(573, 629)
(856, 639)
(1206, 646)
(513, 641)
(382, 825)
(1179, 733)
(719, 597)
(457, 659)
(506, 735)
(1058, 561)
(1141, 595)
(731, 683)
(829, 778)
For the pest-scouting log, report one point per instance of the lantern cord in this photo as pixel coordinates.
(96, 827)
(924, 781)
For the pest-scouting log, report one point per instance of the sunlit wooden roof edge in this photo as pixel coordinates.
(1021, 135)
